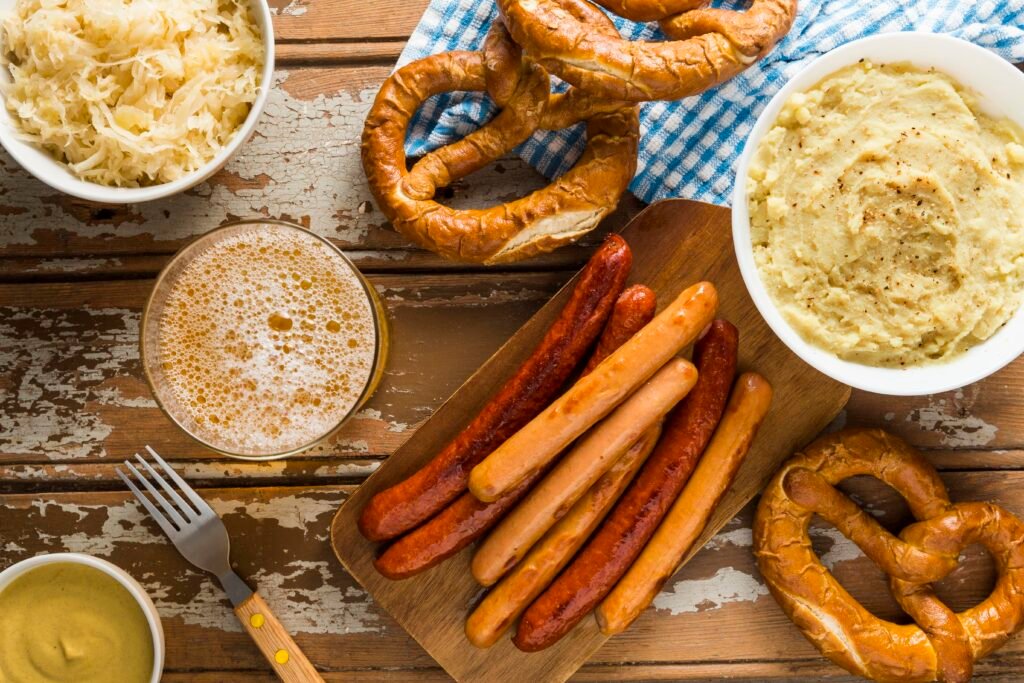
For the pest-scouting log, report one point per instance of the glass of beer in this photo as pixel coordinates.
(260, 339)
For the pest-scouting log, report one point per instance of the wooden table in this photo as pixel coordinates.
(73, 401)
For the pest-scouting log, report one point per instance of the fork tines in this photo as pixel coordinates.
(175, 517)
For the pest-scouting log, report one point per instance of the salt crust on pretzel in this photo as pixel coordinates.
(569, 207)
(942, 645)
(708, 46)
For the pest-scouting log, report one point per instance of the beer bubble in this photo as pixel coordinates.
(279, 322)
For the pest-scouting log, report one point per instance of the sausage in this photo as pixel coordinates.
(592, 456)
(468, 518)
(685, 522)
(509, 598)
(407, 504)
(595, 395)
(633, 309)
(623, 534)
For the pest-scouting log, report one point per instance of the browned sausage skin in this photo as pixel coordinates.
(409, 503)
(468, 518)
(621, 537)
(634, 308)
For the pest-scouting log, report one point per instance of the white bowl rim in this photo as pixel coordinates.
(56, 175)
(156, 629)
(977, 363)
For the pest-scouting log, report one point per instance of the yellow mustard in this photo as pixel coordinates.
(68, 622)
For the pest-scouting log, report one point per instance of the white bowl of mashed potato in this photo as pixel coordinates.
(878, 213)
(125, 101)
(74, 618)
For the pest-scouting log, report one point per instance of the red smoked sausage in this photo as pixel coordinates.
(468, 518)
(409, 503)
(634, 308)
(623, 534)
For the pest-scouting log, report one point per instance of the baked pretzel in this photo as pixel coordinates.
(569, 207)
(942, 645)
(708, 46)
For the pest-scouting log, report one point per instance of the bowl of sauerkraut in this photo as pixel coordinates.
(123, 101)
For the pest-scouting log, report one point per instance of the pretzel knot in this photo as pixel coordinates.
(943, 645)
(708, 45)
(569, 207)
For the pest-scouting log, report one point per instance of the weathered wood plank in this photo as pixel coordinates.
(76, 475)
(302, 164)
(747, 672)
(86, 475)
(344, 19)
(72, 388)
(382, 51)
(30, 269)
(70, 379)
(280, 543)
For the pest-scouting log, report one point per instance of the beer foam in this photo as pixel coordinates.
(267, 341)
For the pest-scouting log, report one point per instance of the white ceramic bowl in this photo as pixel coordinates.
(156, 629)
(57, 176)
(999, 87)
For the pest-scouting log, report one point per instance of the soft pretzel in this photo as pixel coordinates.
(942, 645)
(550, 217)
(503, 61)
(709, 46)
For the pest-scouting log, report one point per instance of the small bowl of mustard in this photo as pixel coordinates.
(76, 618)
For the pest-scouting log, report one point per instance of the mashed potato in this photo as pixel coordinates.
(131, 92)
(887, 216)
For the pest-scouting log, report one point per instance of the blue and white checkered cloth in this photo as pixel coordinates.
(689, 148)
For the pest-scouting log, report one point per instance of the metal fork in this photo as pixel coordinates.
(200, 536)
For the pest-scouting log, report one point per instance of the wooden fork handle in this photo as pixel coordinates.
(290, 665)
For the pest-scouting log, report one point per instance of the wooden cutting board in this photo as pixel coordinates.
(675, 243)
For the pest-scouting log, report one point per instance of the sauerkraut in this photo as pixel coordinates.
(131, 93)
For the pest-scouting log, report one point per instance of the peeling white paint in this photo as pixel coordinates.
(293, 512)
(727, 585)
(354, 470)
(841, 550)
(734, 533)
(375, 415)
(400, 297)
(356, 445)
(324, 609)
(959, 428)
(121, 524)
(295, 8)
(44, 415)
(74, 265)
(743, 538)
(113, 397)
(319, 606)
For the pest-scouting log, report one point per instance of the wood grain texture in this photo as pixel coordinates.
(279, 542)
(287, 660)
(83, 271)
(339, 20)
(675, 243)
